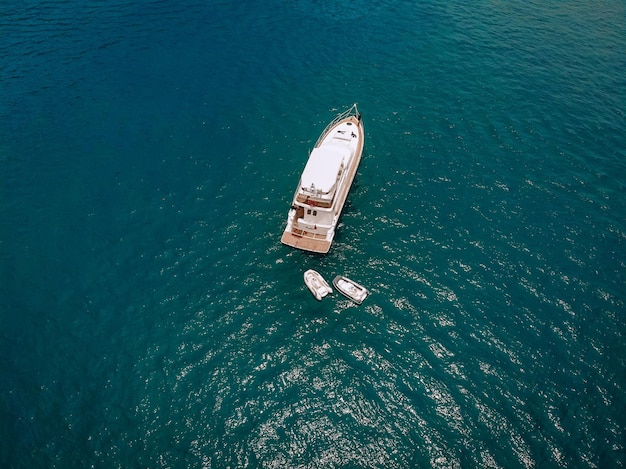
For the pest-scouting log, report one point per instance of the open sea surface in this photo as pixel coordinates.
(150, 317)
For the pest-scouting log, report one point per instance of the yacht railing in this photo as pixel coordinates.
(353, 111)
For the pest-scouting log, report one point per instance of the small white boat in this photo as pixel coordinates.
(350, 288)
(316, 283)
(325, 183)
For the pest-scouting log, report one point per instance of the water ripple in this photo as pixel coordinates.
(149, 153)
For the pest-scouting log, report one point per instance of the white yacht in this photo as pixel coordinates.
(324, 184)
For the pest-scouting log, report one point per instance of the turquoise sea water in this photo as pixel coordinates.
(150, 317)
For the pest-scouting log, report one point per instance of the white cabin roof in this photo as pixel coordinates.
(320, 173)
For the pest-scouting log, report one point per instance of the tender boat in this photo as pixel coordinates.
(324, 184)
(316, 283)
(350, 288)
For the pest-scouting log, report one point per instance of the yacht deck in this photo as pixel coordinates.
(308, 242)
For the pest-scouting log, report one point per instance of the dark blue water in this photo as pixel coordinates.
(150, 316)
